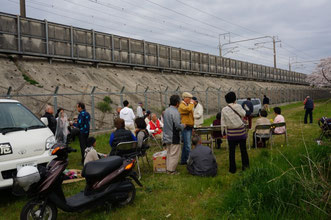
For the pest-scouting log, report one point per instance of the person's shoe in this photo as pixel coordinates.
(172, 172)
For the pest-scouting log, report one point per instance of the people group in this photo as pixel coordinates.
(175, 129)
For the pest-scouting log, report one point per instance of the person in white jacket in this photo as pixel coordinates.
(128, 116)
(140, 110)
(198, 113)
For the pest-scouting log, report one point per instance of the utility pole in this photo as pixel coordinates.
(22, 8)
(274, 41)
(274, 45)
(219, 41)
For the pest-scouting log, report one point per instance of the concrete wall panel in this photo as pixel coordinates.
(103, 54)
(82, 37)
(150, 60)
(124, 56)
(8, 24)
(57, 32)
(164, 52)
(33, 28)
(32, 45)
(8, 42)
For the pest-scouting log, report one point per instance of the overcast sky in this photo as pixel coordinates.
(302, 26)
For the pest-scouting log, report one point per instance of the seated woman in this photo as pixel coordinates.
(261, 121)
(120, 135)
(217, 135)
(90, 153)
(141, 133)
(278, 119)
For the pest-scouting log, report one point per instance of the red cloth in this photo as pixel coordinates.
(154, 126)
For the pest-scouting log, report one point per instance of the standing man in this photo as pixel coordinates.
(309, 106)
(266, 103)
(198, 113)
(128, 116)
(171, 133)
(140, 110)
(83, 123)
(186, 108)
(249, 108)
(50, 118)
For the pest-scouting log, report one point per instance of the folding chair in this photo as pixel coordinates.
(143, 149)
(267, 135)
(247, 132)
(281, 124)
(129, 149)
(156, 141)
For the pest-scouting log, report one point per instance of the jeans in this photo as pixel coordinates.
(186, 135)
(309, 111)
(243, 151)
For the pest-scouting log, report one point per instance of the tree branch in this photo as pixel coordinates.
(324, 75)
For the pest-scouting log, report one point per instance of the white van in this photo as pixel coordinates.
(24, 140)
(257, 106)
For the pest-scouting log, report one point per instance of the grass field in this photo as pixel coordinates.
(282, 183)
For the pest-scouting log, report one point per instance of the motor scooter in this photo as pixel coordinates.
(108, 181)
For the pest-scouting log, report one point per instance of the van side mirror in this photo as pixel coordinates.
(44, 120)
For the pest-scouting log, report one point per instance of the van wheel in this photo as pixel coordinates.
(32, 210)
(131, 196)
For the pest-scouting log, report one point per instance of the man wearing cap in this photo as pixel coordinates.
(140, 110)
(198, 113)
(186, 108)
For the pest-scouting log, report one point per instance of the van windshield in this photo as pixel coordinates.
(17, 117)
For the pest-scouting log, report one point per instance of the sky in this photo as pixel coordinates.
(301, 27)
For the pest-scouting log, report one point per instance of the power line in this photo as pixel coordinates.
(124, 24)
(224, 20)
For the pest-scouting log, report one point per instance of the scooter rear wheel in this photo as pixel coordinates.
(33, 208)
(131, 196)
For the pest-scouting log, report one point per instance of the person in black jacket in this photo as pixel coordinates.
(309, 107)
(201, 161)
(50, 118)
(249, 108)
(266, 103)
(120, 135)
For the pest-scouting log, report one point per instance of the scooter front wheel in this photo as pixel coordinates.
(32, 210)
(131, 196)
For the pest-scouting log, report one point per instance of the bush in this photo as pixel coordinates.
(108, 100)
(104, 106)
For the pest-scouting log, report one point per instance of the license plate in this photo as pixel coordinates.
(19, 166)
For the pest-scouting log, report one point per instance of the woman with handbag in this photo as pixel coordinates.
(235, 128)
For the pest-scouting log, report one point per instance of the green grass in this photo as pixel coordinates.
(29, 80)
(277, 186)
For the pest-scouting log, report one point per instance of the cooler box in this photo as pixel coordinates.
(159, 162)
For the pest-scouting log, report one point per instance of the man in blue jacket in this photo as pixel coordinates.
(249, 108)
(309, 107)
(83, 123)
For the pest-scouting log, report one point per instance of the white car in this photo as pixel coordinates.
(24, 140)
(256, 105)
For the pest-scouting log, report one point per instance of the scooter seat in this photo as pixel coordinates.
(100, 168)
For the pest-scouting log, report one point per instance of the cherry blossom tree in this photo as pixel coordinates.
(321, 76)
